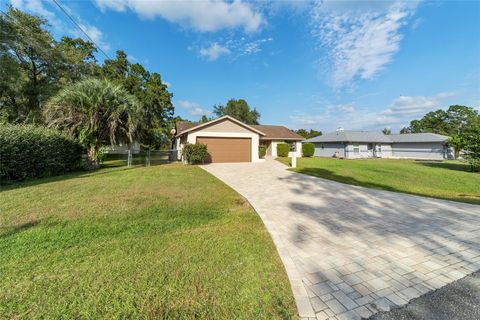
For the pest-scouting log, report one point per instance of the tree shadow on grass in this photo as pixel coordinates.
(330, 175)
(444, 165)
(11, 230)
(331, 225)
(72, 175)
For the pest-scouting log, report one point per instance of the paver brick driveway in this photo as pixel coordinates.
(350, 251)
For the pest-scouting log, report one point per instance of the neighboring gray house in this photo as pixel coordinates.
(364, 144)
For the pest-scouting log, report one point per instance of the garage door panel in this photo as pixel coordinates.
(227, 149)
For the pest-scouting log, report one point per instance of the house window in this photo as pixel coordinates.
(323, 147)
(356, 148)
(293, 146)
(379, 148)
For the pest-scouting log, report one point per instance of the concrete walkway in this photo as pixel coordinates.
(349, 251)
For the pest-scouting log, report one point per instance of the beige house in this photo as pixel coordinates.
(230, 140)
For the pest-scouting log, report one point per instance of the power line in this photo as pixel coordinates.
(80, 28)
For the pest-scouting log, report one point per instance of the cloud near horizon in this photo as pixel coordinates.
(399, 114)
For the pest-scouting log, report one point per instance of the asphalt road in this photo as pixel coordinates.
(455, 301)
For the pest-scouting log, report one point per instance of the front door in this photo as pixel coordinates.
(371, 150)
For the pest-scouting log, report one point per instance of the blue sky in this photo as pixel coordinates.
(359, 65)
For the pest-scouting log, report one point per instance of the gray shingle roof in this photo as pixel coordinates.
(350, 136)
(418, 137)
(376, 137)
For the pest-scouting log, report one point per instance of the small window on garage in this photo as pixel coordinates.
(293, 146)
(356, 148)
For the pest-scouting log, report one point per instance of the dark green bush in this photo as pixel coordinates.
(262, 151)
(283, 149)
(195, 153)
(30, 152)
(308, 149)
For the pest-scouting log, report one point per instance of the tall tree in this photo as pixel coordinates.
(472, 147)
(238, 109)
(451, 122)
(386, 131)
(461, 118)
(97, 112)
(27, 50)
(33, 66)
(77, 60)
(455, 122)
(150, 91)
(404, 130)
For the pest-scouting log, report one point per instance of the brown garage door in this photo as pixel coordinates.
(227, 149)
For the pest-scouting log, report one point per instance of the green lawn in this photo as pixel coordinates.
(445, 180)
(166, 241)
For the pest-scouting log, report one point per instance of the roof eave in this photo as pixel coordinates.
(280, 138)
(201, 125)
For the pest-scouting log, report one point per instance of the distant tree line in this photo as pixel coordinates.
(307, 134)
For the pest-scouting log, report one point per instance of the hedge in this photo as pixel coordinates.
(283, 149)
(308, 149)
(195, 153)
(262, 151)
(28, 151)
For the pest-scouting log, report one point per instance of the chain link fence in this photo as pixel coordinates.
(145, 158)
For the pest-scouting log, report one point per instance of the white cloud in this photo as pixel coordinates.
(117, 5)
(214, 51)
(339, 108)
(361, 119)
(254, 46)
(359, 43)
(407, 105)
(94, 33)
(34, 6)
(203, 16)
(193, 108)
(235, 47)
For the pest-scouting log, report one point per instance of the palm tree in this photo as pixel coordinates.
(97, 112)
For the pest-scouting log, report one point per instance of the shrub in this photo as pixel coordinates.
(28, 151)
(195, 153)
(472, 148)
(262, 151)
(283, 149)
(308, 149)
